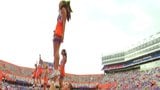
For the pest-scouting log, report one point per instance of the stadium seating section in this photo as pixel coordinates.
(127, 80)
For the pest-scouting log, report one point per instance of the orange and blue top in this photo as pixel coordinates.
(62, 70)
(59, 26)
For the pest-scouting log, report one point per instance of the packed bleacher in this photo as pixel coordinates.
(84, 81)
(14, 69)
(14, 76)
(133, 79)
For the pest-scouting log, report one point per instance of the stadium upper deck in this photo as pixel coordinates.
(142, 52)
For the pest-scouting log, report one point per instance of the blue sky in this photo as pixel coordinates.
(96, 28)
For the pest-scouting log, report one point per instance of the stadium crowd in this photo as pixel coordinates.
(133, 79)
(84, 81)
(12, 76)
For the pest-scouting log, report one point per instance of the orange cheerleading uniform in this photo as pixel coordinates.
(62, 70)
(59, 27)
(1, 75)
(34, 73)
(45, 80)
(39, 71)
